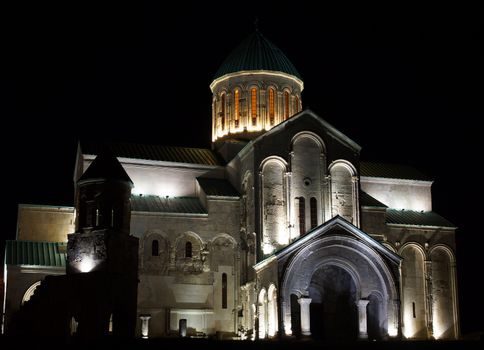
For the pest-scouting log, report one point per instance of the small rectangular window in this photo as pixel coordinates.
(413, 309)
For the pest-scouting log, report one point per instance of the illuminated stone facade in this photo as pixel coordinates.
(291, 235)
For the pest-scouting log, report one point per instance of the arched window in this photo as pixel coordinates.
(224, 291)
(222, 112)
(296, 104)
(271, 106)
(236, 107)
(302, 216)
(155, 248)
(314, 212)
(286, 105)
(188, 250)
(253, 106)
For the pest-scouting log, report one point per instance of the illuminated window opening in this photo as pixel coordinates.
(155, 248)
(296, 104)
(314, 212)
(97, 217)
(253, 106)
(236, 107)
(222, 112)
(224, 291)
(302, 216)
(286, 105)
(111, 324)
(271, 106)
(188, 250)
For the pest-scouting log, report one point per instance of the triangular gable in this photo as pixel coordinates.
(328, 127)
(323, 229)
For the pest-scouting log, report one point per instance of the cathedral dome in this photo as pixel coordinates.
(256, 88)
(256, 53)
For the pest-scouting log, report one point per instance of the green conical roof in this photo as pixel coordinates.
(256, 53)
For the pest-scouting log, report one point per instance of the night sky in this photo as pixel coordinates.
(403, 82)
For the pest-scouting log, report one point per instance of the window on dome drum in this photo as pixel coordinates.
(302, 216)
(155, 248)
(224, 291)
(314, 212)
(222, 112)
(286, 105)
(271, 106)
(188, 250)
(236, 108)
(296, 104)
(253, 106)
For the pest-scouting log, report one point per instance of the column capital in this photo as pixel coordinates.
(304, 300)
(362, 303)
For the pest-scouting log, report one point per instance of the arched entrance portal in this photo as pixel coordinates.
(333, 306)
(343, 282)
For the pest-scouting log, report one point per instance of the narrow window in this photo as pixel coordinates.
(236, 108)
(155, 248)
(224, 291)
(188, 250)
(223, 112)
(253, 106)
(302, 216)
(413, 309)
(112, 217)
(111, 324)
(286, 105)
(271, 106)
(296, 104)
(97, 217)
(314, 212)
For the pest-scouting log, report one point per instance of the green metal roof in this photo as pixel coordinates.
(416, 218)
(35, 253)
(155, 152)
(217, 187)
(256, 53)
(368, 201)
(392, 171)
(156, 204)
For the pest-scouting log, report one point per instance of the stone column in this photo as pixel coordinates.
(145, 325)
(305, 315)
(362, 322)
(429, 297)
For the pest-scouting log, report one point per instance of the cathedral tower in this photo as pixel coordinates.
(255, 88)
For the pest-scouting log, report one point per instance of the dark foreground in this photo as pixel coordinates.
(204, 344)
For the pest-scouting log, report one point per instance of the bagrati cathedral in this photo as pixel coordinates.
(279, 230)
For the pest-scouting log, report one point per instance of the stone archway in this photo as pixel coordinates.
(333, 307)
(340, 266)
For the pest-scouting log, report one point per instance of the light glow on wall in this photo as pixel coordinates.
(287, 327)
(87, 264)
(267, 248)
(155, 189)
(392, 331)
(409, 331)
(438, 327)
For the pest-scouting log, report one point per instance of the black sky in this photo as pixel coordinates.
(402, 81)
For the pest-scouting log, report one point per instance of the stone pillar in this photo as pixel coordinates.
(362, 322)
(305, 315)
(145, 325)
(429, 297)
